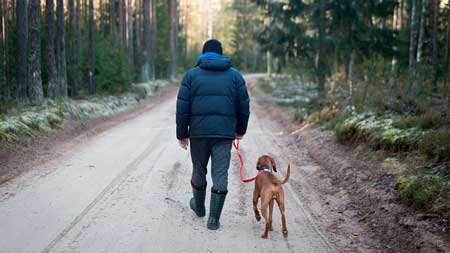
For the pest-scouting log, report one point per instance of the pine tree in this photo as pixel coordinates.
(34, 12)
(434, 39)
(153, 34)
(50, 50)
(61, 49)
(419, 74)
(173, 18)
(112, 14)
(21, 49)
(73, 55)
(91, 49)
(145, 42)
(7, 90)
(412, 48)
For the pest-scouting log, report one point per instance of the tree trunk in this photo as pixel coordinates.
(21, 51)
(173, 38)
(412, 48)
(50, 50)
(2, 50)
(394, 71)
(34, 16)
(130, 49)
(61, 49)
(7, 90)
(420, 47)
(321, 50)
(91, 49)
(138, 27)
(434, 70)
(145, 41)
(351, 71)
(112, 14)
(78, 35)
(73, 79)
(121, 23)
(269, 63)
(153, 34)
(447, 51)
(102, 23)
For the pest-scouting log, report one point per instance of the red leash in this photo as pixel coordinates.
(241, 161)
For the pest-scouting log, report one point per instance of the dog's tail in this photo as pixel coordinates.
(287, 175)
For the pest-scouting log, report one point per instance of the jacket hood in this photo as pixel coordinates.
(213, 61)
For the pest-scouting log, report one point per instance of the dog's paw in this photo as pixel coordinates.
(285, 233)
(264, 236)
(258, 217)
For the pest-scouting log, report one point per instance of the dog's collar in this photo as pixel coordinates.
(264, 169)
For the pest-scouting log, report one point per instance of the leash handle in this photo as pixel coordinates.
(241, 163)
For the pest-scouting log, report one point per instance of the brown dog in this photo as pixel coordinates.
(269, 188)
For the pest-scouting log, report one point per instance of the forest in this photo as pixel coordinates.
(355, 93)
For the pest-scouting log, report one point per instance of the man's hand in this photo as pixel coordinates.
(239, 137)
(184, 143)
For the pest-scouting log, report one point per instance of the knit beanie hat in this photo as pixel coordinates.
(213, 45)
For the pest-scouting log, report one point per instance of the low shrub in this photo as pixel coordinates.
(436, 145)
(426, 189)
(425, 121)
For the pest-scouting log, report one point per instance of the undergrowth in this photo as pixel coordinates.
(51, 114)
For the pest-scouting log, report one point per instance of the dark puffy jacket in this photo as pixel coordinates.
(212, 101)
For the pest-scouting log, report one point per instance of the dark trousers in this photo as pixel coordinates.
(220, 152)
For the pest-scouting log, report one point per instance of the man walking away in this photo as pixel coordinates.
(212, 111)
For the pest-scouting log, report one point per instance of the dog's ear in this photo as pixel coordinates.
(258, 164)
(274, 166)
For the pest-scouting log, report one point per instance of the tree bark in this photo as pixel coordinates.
(434, 70)
(21, 49)
(121, 23)
(420, 47)
(78, 35)
(34, 12)
(447, 52)
(130, 49)
(351, 71)
(102, 22)
(50, 50)
(112, 14)
(138, 27)
(412, 48)
(61, 49)
(153, 35)
(7, 90)
(91, 49)
(321, 49)
(394, 71)
(145, 41)
(2, 50)
(173, 38)
(73, 79)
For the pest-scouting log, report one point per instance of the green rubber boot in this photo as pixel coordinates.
(197, 203)
(216, 205)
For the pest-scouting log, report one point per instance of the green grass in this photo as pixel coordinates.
(425, 121)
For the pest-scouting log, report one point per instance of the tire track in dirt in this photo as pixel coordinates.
(116, 181)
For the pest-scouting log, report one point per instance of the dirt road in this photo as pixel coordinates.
(127, 190)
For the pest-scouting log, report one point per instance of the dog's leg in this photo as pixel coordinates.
(270, 213)
(264, 207)
(280, 201)
(255, 205)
